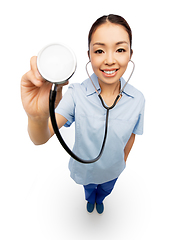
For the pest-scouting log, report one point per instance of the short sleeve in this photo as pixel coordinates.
(138, 129)
(66, 107)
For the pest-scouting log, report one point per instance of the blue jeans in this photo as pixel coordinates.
(98, 192)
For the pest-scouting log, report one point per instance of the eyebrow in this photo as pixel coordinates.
(102, 44)
(121, 42)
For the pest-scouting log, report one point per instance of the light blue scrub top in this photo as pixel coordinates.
(82, 105)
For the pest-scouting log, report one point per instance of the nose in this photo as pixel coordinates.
(110, 59)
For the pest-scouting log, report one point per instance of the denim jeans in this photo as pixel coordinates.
(98, 192)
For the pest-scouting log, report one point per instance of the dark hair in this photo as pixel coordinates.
(112, 19)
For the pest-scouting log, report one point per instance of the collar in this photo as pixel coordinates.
(128, 90)
(90, 87)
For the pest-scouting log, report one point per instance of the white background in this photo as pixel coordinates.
(38, 199)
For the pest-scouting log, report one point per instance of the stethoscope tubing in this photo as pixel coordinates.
(52, 99)
(119, 95)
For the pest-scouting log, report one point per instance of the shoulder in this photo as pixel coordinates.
(133, 92)
(137, 93)
(86, 87)
(77, 86)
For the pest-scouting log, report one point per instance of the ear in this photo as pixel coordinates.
(88, 54)
(131, 54)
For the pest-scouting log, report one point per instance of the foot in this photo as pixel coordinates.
(100, 208)
(90, 207)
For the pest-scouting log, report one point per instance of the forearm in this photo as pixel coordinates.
(128, 146)
(38, 131)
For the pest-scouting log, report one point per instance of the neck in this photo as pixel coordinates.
(109, 89)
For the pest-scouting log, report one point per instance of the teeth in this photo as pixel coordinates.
(110, 72)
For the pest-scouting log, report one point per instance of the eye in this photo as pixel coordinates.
(121, 50)
(99, 51)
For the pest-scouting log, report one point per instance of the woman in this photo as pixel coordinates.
(110, 50)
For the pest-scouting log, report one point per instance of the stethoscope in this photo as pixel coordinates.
(57, 64)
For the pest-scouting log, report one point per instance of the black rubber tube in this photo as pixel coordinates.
(52, 98)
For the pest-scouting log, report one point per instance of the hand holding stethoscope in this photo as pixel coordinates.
(35, 93)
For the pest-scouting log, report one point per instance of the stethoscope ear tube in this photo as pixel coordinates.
(52, 99)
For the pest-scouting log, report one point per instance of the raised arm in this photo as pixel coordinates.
(35, 99)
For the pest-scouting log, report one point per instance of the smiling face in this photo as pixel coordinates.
(109, 52)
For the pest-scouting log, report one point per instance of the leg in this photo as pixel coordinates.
(103, 190)
(90, 195)
(90, 192)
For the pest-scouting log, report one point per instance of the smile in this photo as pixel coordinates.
(108, 72)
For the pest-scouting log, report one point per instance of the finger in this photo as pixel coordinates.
(33, 65)
(29, 80)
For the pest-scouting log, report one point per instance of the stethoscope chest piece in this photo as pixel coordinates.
(56, 63)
